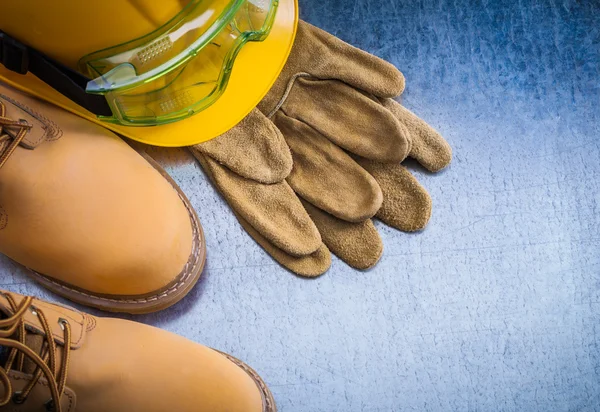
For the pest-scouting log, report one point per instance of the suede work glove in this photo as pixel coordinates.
(307, 171)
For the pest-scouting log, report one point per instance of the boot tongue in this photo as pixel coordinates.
(33, 341)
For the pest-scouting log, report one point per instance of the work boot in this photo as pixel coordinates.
(92, 219)
(58, 359)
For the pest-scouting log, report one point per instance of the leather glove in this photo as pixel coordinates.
(322, 157)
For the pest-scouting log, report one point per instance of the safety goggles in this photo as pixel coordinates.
(165, 76)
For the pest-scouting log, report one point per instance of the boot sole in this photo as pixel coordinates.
(153, 301)
(268, 400)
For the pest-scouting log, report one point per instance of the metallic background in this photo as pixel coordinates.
(496, 305)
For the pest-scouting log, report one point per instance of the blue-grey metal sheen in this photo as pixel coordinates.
(495, 306)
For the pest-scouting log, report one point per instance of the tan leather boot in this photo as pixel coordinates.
(93, 220)
(94, 364)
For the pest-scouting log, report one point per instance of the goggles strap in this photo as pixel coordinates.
(20, 58)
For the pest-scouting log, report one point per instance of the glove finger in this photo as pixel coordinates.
(349, 119)
(313, 265)
(357, 244)
(273, 210)
(428, 147)
(406, 204)
(254, 149)
(326, 176)
(331, 58)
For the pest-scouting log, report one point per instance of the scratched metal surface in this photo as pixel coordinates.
(496, 305)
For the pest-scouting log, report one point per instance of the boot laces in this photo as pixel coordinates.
(12, 335)
(12, 132)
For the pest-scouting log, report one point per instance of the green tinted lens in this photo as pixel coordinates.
(181, 68)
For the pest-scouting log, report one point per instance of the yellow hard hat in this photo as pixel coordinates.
(168, 73)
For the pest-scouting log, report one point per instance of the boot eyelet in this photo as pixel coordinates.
(62, 322)
(50, 406)
(17, 398)
(33, 310)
